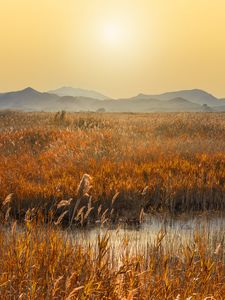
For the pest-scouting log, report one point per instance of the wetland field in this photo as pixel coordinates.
(112, 206)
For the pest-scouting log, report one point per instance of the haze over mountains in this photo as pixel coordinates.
(76, 92)
(71, 99)
(195, 96)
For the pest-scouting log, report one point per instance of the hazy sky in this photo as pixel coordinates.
(117, 47)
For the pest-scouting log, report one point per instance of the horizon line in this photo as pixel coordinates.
(91, 90)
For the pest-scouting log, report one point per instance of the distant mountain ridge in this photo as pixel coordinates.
(77, 92)
(180, 101)
(27, 99)
(196, 96)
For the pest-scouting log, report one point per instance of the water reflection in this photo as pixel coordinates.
(178, 233)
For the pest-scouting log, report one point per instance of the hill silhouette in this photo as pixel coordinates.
(30, 99)
(76, 92)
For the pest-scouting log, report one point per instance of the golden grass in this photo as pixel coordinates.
(82, 168)
(41, 262)
(166, 162)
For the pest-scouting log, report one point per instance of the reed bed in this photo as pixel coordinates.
(42, 262)
(172, 162)
(62, 170)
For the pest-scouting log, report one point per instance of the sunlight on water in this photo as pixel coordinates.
(178, 233)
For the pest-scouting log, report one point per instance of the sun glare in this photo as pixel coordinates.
(113, 34)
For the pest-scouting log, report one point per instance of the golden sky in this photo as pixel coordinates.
(117, 47)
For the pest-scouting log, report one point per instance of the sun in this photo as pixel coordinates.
(113, 39)
(112, 33)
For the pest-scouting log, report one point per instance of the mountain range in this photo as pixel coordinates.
(76, 92)
(71, 99)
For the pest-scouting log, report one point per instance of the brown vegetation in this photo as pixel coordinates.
(82, 168)
(44, 263)
(159, 162)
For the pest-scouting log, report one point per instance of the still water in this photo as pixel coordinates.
(178, 232)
